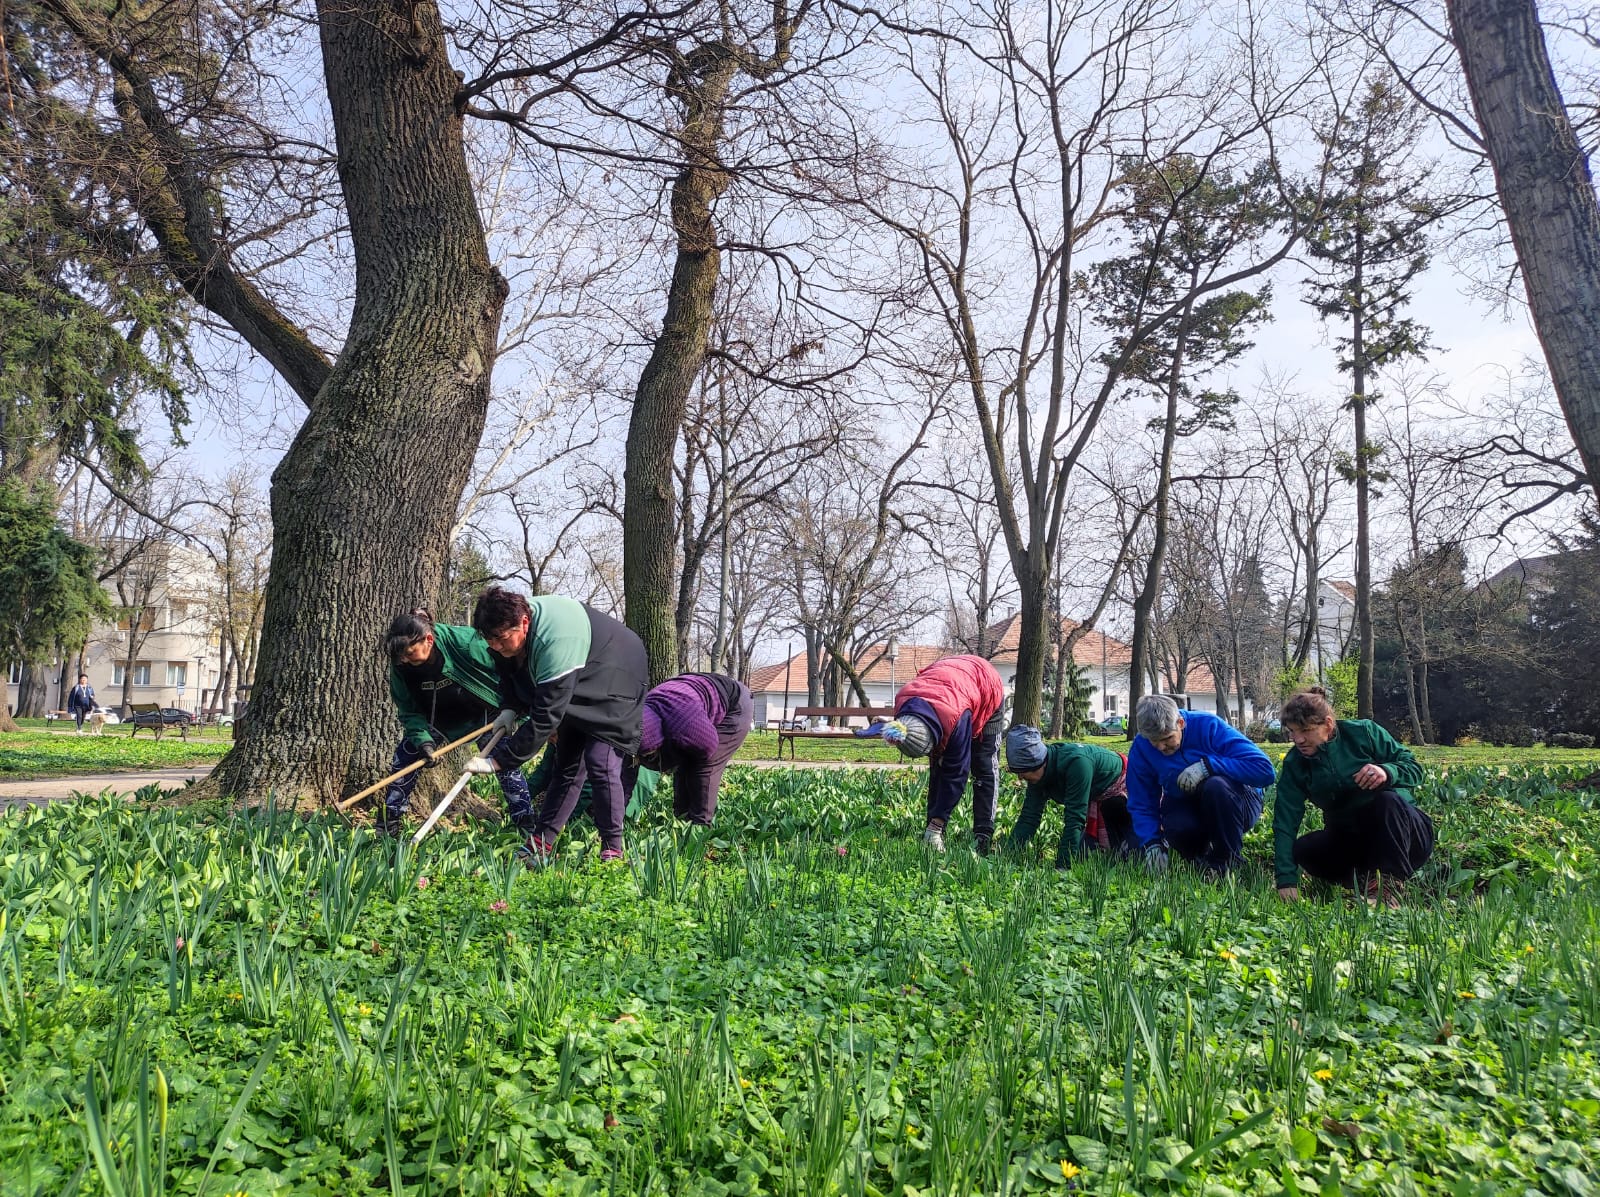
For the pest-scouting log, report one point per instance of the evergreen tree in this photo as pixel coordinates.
(1369, 247)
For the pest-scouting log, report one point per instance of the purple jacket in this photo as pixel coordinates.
(682, 717)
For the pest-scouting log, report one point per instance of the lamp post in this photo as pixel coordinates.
(892, 651)
(199, 682)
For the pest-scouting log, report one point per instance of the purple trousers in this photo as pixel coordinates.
(695, 784)
(578, 759)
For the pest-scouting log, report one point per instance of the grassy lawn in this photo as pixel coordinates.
(32, 754)
(799, 1001)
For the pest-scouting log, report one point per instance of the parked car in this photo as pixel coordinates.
(1116, 725)
(163, 718)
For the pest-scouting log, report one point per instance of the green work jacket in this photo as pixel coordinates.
(468, 663)
(1073, 774)
(1327, 780)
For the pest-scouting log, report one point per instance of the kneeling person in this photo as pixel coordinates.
(444, 683)
(1361, 779)
(1194, 784)
(1088, 781)
(691, 726)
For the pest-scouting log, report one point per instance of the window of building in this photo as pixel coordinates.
(147, 620)
(1111, 702)
(16, 674)
(180, 612)
(177, 673)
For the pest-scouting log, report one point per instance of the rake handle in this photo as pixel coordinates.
(454, 790)
(347, 803)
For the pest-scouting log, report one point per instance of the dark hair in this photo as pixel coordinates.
(498, 609)
(1307, 708)
(83, 677)
(415, 626)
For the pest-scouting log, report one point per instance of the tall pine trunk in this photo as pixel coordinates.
(1365, 641)
(1547, 191)
(363, 501)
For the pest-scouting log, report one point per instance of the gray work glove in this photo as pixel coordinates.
(430, 753)
(1193, 776)
(505, 721)
(1155, 858)
(482, 764)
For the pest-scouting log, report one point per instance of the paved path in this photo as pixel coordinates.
(53, 789)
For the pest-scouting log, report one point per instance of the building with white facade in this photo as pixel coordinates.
(161, 648)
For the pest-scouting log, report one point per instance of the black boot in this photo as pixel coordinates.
(388, 825)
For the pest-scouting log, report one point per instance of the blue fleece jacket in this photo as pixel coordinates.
(1153, 777)
(948, 770)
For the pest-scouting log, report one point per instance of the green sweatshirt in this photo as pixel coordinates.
(1073, 774)
(467, 662)
(1327, 779)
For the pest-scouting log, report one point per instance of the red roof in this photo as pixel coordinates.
(912, 657)
(1005, 636)
(1347, 589)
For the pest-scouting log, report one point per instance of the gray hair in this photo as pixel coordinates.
(1156, 716)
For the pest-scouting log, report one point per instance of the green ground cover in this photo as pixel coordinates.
(31, 754)
(800, 1002)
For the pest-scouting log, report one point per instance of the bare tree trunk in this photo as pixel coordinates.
(1547, 191)
(389, 437)
(1411, 688)
(1033, 609)
(32, 691)
(1366, 644)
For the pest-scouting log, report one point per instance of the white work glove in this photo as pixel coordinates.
(482, 764)
(1193, 776)
(505, 721)
(1155, 858)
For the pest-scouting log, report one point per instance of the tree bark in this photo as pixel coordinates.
(362, 502)
(1366, 644)
(1547, 191)
(1033, 610)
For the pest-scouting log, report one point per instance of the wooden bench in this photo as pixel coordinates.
(792, 734)
(150, 714)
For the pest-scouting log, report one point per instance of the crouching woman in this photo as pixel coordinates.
(1361, 778)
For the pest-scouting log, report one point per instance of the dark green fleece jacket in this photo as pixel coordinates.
(1327, 780)
(1073, 774)
(468, 663)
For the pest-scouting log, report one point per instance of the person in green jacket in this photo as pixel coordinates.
(1090, 783)
(444, 683)
(1361, 778)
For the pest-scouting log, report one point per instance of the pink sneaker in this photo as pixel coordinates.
(610, 854)
(537, 852)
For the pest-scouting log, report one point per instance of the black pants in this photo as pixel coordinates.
(1387, 835)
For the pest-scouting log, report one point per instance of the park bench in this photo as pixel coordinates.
(792, 734)
(158, 719)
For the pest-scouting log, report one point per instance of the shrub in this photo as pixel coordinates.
(1569, 740)
(1257, 730)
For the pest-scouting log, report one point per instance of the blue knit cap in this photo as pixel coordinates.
(1024, 749)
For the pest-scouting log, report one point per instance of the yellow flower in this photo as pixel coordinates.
(910, 1130)
(1527, 949)
(238, 997)
(1466, 994)
(1069, 1170)
(363, 1008)
(1227, 955)
(1323, 1074)
(744, 1083)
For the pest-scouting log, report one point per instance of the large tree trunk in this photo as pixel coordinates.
(1033, 614)
(33, 691)
(362, 502)
(649, 510)
(1547, 192)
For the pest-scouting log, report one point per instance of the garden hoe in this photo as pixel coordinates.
(456, 789)
(347, 803)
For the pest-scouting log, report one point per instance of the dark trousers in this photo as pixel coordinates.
(1387, 835)
(79, 716)
(1117, 825)
(578, 759)
(519, 801)
(1207, 826)
(695, 786)
(984, 767)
